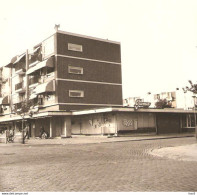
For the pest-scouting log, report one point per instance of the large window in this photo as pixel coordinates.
(188, 121)
(75, 70)
(76, 93)
(75, 47)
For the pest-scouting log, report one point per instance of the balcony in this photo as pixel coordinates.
(48, 77)
(20, 68)
(37, 103)
(34, 80)
(19, 87)
(17, 100)
(4, 100)
(46, 64)
(47, 87)
(35, 58)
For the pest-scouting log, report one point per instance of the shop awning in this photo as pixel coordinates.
(45, 87)
(46, 63)
(4, 100)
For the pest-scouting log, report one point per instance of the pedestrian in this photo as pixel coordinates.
(41, 131)
(7, 133)
(26, 132)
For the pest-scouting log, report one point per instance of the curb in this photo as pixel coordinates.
(98, 142)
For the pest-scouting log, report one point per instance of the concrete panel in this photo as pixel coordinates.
(94, 124)
(92, 49)
(126, 121)
(93, 93)
(91, 124)
(92, 71)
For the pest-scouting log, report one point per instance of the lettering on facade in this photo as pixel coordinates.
(127, 122)
(140, 104)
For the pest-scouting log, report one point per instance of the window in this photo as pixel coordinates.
(75, 47)
(75, 70)
(76, 93)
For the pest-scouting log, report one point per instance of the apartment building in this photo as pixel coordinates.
(64, 73)
(176, 99)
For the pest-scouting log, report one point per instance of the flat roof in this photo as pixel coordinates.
(88, 37)
(7, 118)
(123, 109)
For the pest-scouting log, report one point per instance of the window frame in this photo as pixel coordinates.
(75, 47)
(76, 68)
(76, 91)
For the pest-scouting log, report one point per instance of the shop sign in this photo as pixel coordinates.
(140, 104)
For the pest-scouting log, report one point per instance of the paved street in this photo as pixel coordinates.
(115, 166)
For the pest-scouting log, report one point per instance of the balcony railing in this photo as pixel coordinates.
(19, 66)
(35, 57)
(19, 85)
(33, 80)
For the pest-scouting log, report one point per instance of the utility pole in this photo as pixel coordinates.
(195, 115)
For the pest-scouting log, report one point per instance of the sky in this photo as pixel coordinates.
(158, 37)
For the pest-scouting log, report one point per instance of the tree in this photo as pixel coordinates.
(193, 89)
(23, 111)
(163, 103)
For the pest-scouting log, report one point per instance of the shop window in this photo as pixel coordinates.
(75, 70)
(76, 93)
(188, 121)
(75, 47)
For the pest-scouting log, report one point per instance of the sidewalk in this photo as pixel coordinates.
(182, 153)
(96, 139)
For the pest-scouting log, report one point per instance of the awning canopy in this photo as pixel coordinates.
(13, 60)
(4, 100)
(34, 50)
(20, 58)
(46, 63)
(45, 87)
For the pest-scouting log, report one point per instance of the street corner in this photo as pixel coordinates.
(182, 153)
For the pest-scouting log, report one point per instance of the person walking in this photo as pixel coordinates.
(42, 131)
(26, 132)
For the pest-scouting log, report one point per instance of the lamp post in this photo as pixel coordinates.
(195, 115)
(149, 93)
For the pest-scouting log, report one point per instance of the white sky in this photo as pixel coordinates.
(158, 37)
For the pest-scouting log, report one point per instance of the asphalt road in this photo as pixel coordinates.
(116, 166)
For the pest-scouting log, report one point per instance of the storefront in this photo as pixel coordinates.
(105, 121)
(129, 121)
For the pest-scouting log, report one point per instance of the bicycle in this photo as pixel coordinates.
(10, 138)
